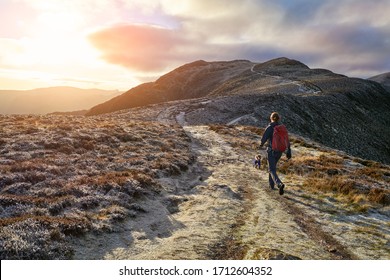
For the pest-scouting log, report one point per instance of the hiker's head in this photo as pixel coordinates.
(274, 117)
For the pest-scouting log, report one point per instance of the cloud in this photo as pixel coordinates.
(140, 47)
(210, 30)
(152, 49)
(350, 38)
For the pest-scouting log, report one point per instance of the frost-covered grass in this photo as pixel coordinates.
(63, 176)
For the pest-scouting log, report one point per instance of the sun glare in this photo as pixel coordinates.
(57, 37)
(56, 44)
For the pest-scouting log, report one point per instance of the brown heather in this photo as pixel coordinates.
(69, 175)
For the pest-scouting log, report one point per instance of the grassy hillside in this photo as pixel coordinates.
(62, 176)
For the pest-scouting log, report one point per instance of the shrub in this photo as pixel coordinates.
(29, 239)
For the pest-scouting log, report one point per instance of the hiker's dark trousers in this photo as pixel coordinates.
(273, 158)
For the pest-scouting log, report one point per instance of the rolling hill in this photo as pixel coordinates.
(52, 99)
(348, 114)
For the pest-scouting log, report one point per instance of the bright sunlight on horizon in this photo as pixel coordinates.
(46, 43)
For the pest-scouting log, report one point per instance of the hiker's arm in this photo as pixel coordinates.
(266, 136)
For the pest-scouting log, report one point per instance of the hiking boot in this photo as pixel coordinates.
(281, 188)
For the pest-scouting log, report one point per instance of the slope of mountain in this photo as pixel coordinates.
(47, 100)
(193, 80)
(345, 113)
(383, 79)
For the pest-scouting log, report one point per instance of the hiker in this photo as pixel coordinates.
(277, 137)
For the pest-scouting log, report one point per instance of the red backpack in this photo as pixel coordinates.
(280, 138)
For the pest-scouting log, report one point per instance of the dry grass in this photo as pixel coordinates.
(338, 185)
(372, 172)
(244, 137)
(364, 185)
(65, 175)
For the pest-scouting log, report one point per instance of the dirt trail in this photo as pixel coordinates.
(264, 227)
(221, 197)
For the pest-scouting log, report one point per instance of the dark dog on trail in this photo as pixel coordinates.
(257, 163)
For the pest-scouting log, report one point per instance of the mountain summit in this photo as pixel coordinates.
(201, 79)
(348, 114)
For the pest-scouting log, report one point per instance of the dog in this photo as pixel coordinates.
(257, 163)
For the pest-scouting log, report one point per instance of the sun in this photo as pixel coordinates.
(58, 37)
(56, 44)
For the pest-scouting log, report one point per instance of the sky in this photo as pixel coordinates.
(118, 44)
